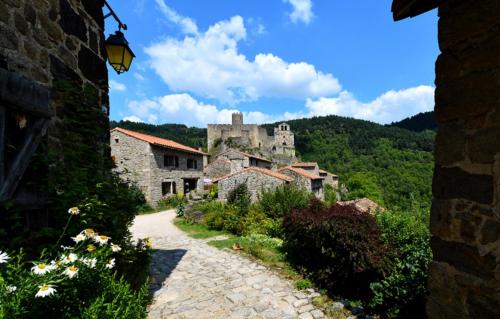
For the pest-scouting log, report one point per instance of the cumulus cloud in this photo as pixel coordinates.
(388, 107)
(133, 118)
(186, 24)
(183, 108)
(210, 65)
(302, 11)
(116, 86)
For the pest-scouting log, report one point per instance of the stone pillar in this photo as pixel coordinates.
(464, 279)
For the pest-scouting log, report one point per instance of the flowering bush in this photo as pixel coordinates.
(70, 281)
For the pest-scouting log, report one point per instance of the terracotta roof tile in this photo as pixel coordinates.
(327, 172)
(159, 141)
(259, 170)
(305, 164)
(301, 172)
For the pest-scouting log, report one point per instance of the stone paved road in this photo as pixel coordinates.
(191, 279)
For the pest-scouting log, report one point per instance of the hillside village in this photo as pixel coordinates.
(237, 153)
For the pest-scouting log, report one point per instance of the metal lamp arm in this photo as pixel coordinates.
(113, 14)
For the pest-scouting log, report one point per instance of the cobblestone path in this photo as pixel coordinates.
(191, 279)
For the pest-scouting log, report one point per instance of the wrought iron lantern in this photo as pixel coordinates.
(120, 55)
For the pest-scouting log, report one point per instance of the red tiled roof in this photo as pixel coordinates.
(258, 170)
(301, 172)
(163, 142)
(305, 164)
(246, 154)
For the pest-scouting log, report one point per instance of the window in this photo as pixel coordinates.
(170, 161)
(284, 143)
(168, 188)
(117, 139)
(192, 163)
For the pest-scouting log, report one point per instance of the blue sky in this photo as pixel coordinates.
(199, 61)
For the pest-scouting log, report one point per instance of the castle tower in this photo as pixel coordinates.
(237, 118)
(284, 141)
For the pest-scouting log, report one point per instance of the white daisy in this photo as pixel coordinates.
(3, 257)
(110, 264)
(102, 240)
(41, 268)
(55, 264)
(89, 262)
(71, 271)
(67, 259)
(74, 211)
(115, 248)
(89, 232)
(79, 238)
(11, 289)
(45, 291)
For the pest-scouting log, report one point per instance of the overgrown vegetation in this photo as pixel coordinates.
(76, 170)
(379, 261)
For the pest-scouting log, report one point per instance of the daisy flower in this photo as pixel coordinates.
(78, 238)
(89, 262)
(56, 264)
(101, 240)
(115, 248)
(3, 257)
(110, 264)
(41, 268)
(11, 289)
(89, 232)
(73, 211)
(71, 271)
(45, 291)
(90, 248)
(67, 259)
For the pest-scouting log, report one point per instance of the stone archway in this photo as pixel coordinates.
(464, 278)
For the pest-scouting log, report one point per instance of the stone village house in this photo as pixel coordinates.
(160, 167)
(257, 180)
(232, 161)
(305, 180)
(328, 178)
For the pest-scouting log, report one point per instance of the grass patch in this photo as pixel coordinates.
(197, 231)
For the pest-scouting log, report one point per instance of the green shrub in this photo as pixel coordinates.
(213, 192)
(340, 247)
(282, 200)
(302, 284)
(330, 195)
(402, 292)
(240, 198)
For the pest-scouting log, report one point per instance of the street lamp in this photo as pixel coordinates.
(120, 55)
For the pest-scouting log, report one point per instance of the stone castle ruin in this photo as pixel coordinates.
(252, 138)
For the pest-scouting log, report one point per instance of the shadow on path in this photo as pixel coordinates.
(164, 262)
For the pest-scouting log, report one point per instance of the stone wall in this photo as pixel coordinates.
(49, 43)
(218, 168)
(55, 40)
(160, 173)
(255, 181)
(132, 160)
(465, 218)
(305, 183)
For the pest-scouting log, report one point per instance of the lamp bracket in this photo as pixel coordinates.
(113, 14)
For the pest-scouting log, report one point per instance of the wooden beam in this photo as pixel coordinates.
(21, 161)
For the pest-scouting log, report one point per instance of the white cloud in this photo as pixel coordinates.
(302, 11)
(116, 86)
(186, 24)
(139, 77)
(132, 118)
(388, 107)
(209, 64)
(183, 108)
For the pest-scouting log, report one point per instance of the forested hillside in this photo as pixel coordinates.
(418, 123)
(390, 165)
